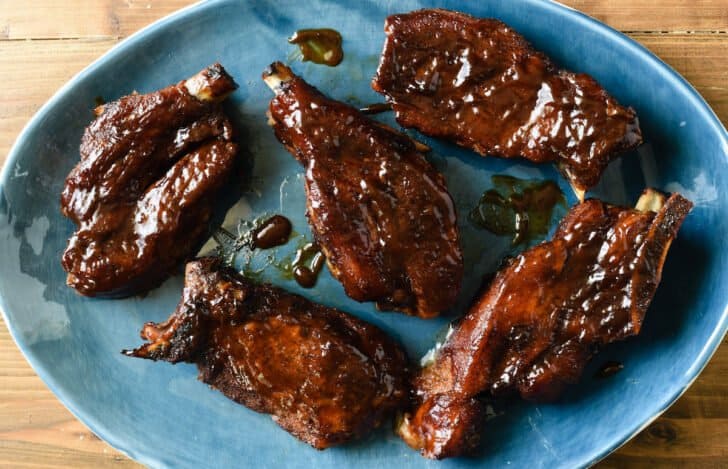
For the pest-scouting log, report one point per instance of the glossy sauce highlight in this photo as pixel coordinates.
(321, 46)
(518, 207)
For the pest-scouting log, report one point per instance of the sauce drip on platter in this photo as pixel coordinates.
(321, 46)
(275, 231)
(518, 207)
(306, 265)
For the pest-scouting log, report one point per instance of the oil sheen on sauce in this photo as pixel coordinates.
(306, 265)
(273, 232)
(303, 267)
(519, 208)
(321, 46)
(376, 108)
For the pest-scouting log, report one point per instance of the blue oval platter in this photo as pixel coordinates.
(162, 416)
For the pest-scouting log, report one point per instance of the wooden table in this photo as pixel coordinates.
(43, 43)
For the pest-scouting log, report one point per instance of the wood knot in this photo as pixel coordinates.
(662, 430)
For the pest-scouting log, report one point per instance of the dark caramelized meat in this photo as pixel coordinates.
(480, 84)
(379, 210)
(544, 316)
(142, 194)
(325, 376)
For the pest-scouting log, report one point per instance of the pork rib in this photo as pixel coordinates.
(379, 210)
(480, 84)
(543, 317)
(143, 192)
(324, 376)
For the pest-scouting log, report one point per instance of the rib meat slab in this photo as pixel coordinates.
(480, 84)
(379, 210)
(543, 317)
(151, 166)
(325, 376)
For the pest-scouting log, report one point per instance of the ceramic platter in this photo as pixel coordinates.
(162, 416)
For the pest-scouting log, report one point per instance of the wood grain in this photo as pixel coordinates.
(657, 16)
(43, 43)
(69, 19)
(45, 19)
(700, 58)
(32, 71)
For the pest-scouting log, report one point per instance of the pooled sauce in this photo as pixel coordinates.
(306, 275)
(99, 100)
(610, 368)
(321, 46)
(249, 241)
(518, 207)
(376, 108)
(273, 232)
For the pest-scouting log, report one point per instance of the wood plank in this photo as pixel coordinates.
(63, 19)
(701, 59)
(657, 15)
(669, 437)
(18, 454)
(119, 18)
(618, 461)
(31, 72)
(81, 18)
(704, 401)
(133, 15)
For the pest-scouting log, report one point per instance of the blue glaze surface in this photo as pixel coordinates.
(162, 416)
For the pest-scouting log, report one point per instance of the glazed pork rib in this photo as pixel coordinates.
(326, 377)
(143, 192)
(543, 317)
(379, 210)
(480, 84)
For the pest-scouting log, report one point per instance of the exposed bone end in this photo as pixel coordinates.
(403, 428)
(670, 212)
(421, 147)
(271, 122)
(579, 191)
(277, 74)
(213, 84)
(651, 200)
(443, 426)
